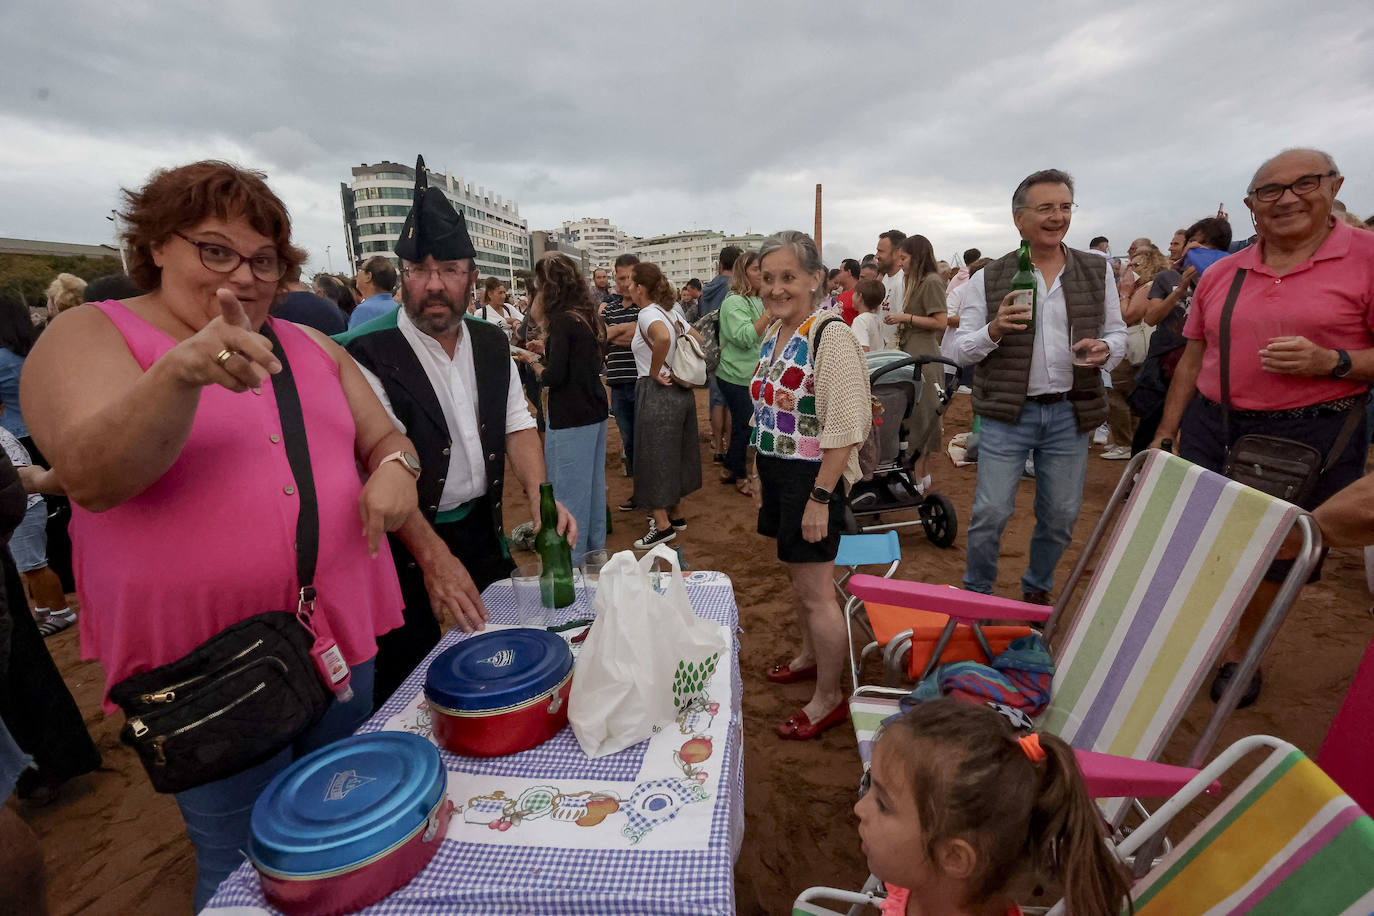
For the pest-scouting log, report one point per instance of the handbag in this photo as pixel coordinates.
(688, 361)
(248, 692)
(1281, 467)
(1138, 342)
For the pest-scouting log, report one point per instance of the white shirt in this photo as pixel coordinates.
(454, 381)
(1051, 368)
(895, 286)
(640, 346)
(868, 327)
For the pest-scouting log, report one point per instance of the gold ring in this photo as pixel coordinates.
(223, 356)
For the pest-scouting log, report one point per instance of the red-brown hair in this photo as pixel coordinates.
(647, 275)
(177, 199)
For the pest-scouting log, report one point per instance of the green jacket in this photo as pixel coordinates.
(739, 344)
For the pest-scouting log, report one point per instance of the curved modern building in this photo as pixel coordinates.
(375, 206)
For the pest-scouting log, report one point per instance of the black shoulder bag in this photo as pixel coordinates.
(245, 694)
(1281, 467)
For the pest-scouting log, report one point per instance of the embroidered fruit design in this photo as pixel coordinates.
(599, 808)
(696, 750)
(500, 824)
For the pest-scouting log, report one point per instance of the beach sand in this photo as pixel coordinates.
(114, 846)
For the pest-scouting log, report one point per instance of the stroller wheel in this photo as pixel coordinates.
(939, 520)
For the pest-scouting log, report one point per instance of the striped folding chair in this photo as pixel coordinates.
(1178, 554)
(1286, 840)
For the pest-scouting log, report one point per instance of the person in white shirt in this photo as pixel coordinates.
(890, 271)
(1039, 391)
(868, 327)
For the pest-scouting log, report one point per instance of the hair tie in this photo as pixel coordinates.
(1030, 745)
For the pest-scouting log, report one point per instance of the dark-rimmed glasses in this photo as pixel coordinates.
(224, 260)
(1301, 188)
(448, 275)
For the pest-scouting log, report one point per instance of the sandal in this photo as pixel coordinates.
(742, 485)
(56, 622)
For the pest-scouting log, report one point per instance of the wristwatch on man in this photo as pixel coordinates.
(821, 495)
(1342, 365)
(406, 460)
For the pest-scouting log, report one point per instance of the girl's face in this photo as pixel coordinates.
(889, 824)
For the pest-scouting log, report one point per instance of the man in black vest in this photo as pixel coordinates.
(1038, 391)
(449, 382)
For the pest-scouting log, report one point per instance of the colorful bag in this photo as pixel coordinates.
(1019, 678)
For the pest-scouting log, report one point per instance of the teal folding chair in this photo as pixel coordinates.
(863, 550)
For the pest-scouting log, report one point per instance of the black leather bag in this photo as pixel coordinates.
(1281, 467)
(248, 692)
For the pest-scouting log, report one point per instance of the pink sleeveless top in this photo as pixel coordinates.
(211, 542)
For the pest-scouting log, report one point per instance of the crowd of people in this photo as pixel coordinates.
(418, 381)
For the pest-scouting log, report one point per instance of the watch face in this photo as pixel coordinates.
(411, 462)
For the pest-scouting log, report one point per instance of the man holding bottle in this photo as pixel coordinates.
(1037, 355)
(449, 381)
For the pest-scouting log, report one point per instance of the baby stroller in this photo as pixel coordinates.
(898, 385)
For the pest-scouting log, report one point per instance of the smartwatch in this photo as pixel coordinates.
(821, 495)
(1342, 365)
(406, 460)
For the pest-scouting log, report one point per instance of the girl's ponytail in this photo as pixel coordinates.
(1068, 838)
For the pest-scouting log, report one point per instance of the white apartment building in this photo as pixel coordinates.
(377, 202)
(684, 255)
(600, 238)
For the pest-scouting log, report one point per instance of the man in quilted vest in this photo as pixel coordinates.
(1033, 398)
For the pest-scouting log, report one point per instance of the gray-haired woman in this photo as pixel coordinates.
(811, 413)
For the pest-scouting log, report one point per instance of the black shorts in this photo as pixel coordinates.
(1202, 444)
(787, 485)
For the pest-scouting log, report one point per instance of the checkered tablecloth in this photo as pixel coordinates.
(479, 878)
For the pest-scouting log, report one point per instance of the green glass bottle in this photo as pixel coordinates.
(555, 554)
(1023, 281)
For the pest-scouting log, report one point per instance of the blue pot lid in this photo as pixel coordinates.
(497, 670)
(346, 803)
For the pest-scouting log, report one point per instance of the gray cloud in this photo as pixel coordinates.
(704, 115)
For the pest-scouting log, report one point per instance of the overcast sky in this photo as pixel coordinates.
(661, 117)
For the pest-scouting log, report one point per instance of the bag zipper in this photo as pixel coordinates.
(140, 728)
(168, 694)
(160, 742)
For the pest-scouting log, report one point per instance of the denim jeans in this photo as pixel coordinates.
(217, 813)
(741, 407)
(1049, 432)
(575, 459)
(623, 406)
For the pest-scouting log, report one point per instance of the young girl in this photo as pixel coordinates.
(961, 815)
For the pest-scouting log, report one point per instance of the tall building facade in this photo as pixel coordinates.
(685, 255)
(376, 203)
(601, 239)
(546, 240)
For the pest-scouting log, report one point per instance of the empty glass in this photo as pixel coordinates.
(529, 601)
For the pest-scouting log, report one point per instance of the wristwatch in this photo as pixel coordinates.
(821, 495)
(406, 460)
(1342, 365)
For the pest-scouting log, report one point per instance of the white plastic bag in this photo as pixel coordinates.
(646, 655)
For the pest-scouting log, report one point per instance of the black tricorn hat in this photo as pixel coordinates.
(433, 226)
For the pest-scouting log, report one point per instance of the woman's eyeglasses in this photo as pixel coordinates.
(224, 260)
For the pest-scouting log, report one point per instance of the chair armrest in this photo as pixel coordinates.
(1110, 776)
(964, 606)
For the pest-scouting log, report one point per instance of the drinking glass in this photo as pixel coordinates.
(529, 600)
(1082, 335)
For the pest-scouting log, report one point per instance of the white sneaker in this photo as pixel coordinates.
(1100, 435)
(1117, 453)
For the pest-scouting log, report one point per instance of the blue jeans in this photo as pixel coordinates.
(741, 407)
(623, 406)
(575, 459)
(1049, 432)
(217, 813)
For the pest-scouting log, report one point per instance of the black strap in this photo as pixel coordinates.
(298, 455)
(1352, 417)
(816, 337)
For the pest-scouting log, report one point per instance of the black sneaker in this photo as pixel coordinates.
(1224, 678)
(679, 524)
(627, 506)
(654, 536)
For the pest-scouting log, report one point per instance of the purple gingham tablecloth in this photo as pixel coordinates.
(472, 878)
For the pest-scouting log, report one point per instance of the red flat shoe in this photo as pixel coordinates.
(786, 674)
(801, 728)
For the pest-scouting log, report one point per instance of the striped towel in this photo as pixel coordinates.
(1286, 841)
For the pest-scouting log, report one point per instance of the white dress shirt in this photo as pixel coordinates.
(895, 287)
(1051, 368)
(454, 381)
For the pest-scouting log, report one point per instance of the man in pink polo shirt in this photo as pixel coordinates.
(1301, 345)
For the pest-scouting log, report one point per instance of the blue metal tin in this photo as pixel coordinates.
(498, 670)
(345, 804)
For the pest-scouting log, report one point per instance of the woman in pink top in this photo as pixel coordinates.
(166, 436)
